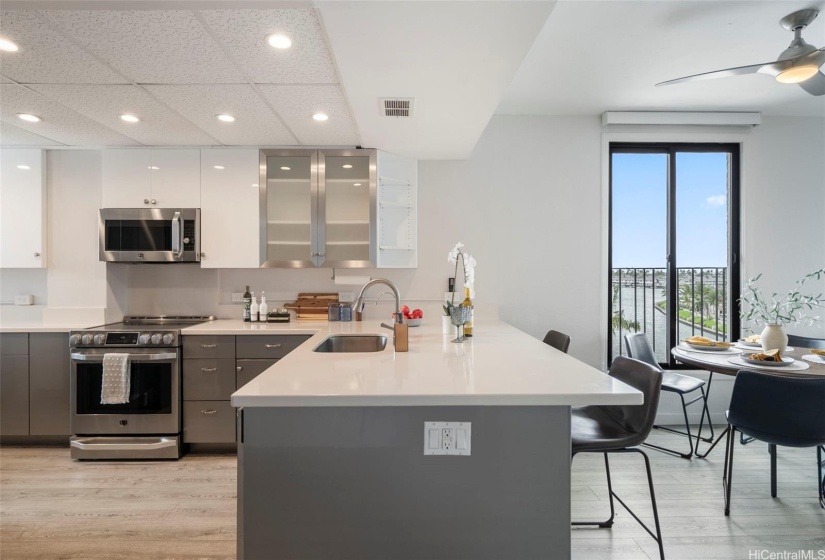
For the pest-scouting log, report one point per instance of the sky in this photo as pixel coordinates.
(640, 210)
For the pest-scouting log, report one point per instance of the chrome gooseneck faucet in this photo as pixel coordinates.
(359, 302)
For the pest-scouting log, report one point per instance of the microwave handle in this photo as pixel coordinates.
(177, 235)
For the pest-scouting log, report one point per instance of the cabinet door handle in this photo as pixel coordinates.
(145, 201)
(209, 345)
(209, 369)
(212, 411)
(37, 254)
(239, 368)
(203, 255)
(272, 345)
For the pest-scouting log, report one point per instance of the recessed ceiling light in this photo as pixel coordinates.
(347, 166)
(279, 41)
(23, 167)
(226, 118)
(129, 118)
(153, 168)
(8, 46)
(285, 168)
(218, 166)
(356, 184)
(28, 117)
(320, 116)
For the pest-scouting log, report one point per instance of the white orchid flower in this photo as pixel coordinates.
(453, 255)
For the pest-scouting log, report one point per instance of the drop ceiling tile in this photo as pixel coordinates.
(254, 124)
(5, 80)
(45, 56)
(10, 135)
(59, 123)
(297, 104)
(150, 46)
(158, 124)
(243, 32)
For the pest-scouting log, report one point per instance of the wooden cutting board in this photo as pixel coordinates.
(313, 305)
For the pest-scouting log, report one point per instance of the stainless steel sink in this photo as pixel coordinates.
(353, 343)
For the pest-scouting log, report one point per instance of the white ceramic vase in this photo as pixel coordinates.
(773, 337)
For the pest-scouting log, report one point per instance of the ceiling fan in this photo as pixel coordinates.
(798, 64)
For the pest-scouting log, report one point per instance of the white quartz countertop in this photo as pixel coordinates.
(500, 366)
(40, 327)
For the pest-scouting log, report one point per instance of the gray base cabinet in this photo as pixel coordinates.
(34, 384)
(213, 368)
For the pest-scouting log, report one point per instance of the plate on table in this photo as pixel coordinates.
(712, 350)
(707, 348)
(784, 363)
(744, 342)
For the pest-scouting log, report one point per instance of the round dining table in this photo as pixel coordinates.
(720, 362)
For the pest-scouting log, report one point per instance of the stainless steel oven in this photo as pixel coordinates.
(150, 235)
(148, 424)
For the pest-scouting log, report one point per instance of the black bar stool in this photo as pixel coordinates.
(557, 340)
(619, 429)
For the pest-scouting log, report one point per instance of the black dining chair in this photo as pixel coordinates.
(619, 429)
(806, 342)
(638, 347)
(779, 409)
(557, 340)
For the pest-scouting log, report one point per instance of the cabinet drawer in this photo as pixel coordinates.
(250, 369)
(15, 344)
(209, 347)
(208, 379)
(14, 396)
(208, 422)
(267, 346)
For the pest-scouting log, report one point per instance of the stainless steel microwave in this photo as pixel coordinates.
(150, 235)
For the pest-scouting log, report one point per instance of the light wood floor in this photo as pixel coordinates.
(54, 508)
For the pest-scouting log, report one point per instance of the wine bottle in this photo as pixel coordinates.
(468, 326)
(264, 309)
(253, 310)
(247, 305)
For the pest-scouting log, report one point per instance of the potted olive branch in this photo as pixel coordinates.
(776, 311)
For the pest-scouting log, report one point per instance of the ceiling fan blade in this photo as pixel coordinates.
(738, 71)
(815, 85)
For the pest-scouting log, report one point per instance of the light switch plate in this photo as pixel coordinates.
(447, 438)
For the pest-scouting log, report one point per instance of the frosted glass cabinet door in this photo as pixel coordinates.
(347, 187)
(289, 208)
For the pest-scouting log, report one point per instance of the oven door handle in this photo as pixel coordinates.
(177, 235)
(132, 357)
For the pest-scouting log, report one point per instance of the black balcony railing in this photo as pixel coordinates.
(638, 304)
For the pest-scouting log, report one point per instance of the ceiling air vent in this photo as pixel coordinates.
(396, 106)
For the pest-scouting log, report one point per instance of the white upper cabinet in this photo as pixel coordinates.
(160, 178)
(22, 208)
(230, 227)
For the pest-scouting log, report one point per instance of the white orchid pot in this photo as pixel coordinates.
(773, 337)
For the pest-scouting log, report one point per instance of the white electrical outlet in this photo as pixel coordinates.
(447, 438)
(346, 297)
(24, 300)
(237, 297)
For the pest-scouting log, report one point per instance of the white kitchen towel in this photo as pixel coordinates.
(117, 376)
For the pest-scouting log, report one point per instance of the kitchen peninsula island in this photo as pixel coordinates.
(331, 452)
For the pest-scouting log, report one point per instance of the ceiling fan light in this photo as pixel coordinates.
(797, 74)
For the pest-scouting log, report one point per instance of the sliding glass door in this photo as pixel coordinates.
(674, 244)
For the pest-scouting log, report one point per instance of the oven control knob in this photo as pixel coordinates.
(156, 338)
(99, 339)
(74, 340)
(87, 339)
(143, 339)
(168, 338)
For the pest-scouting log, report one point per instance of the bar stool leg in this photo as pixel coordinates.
(772, 451)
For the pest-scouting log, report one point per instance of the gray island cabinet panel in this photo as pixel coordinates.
(49, 384)
(14, 384)
(353, 483)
